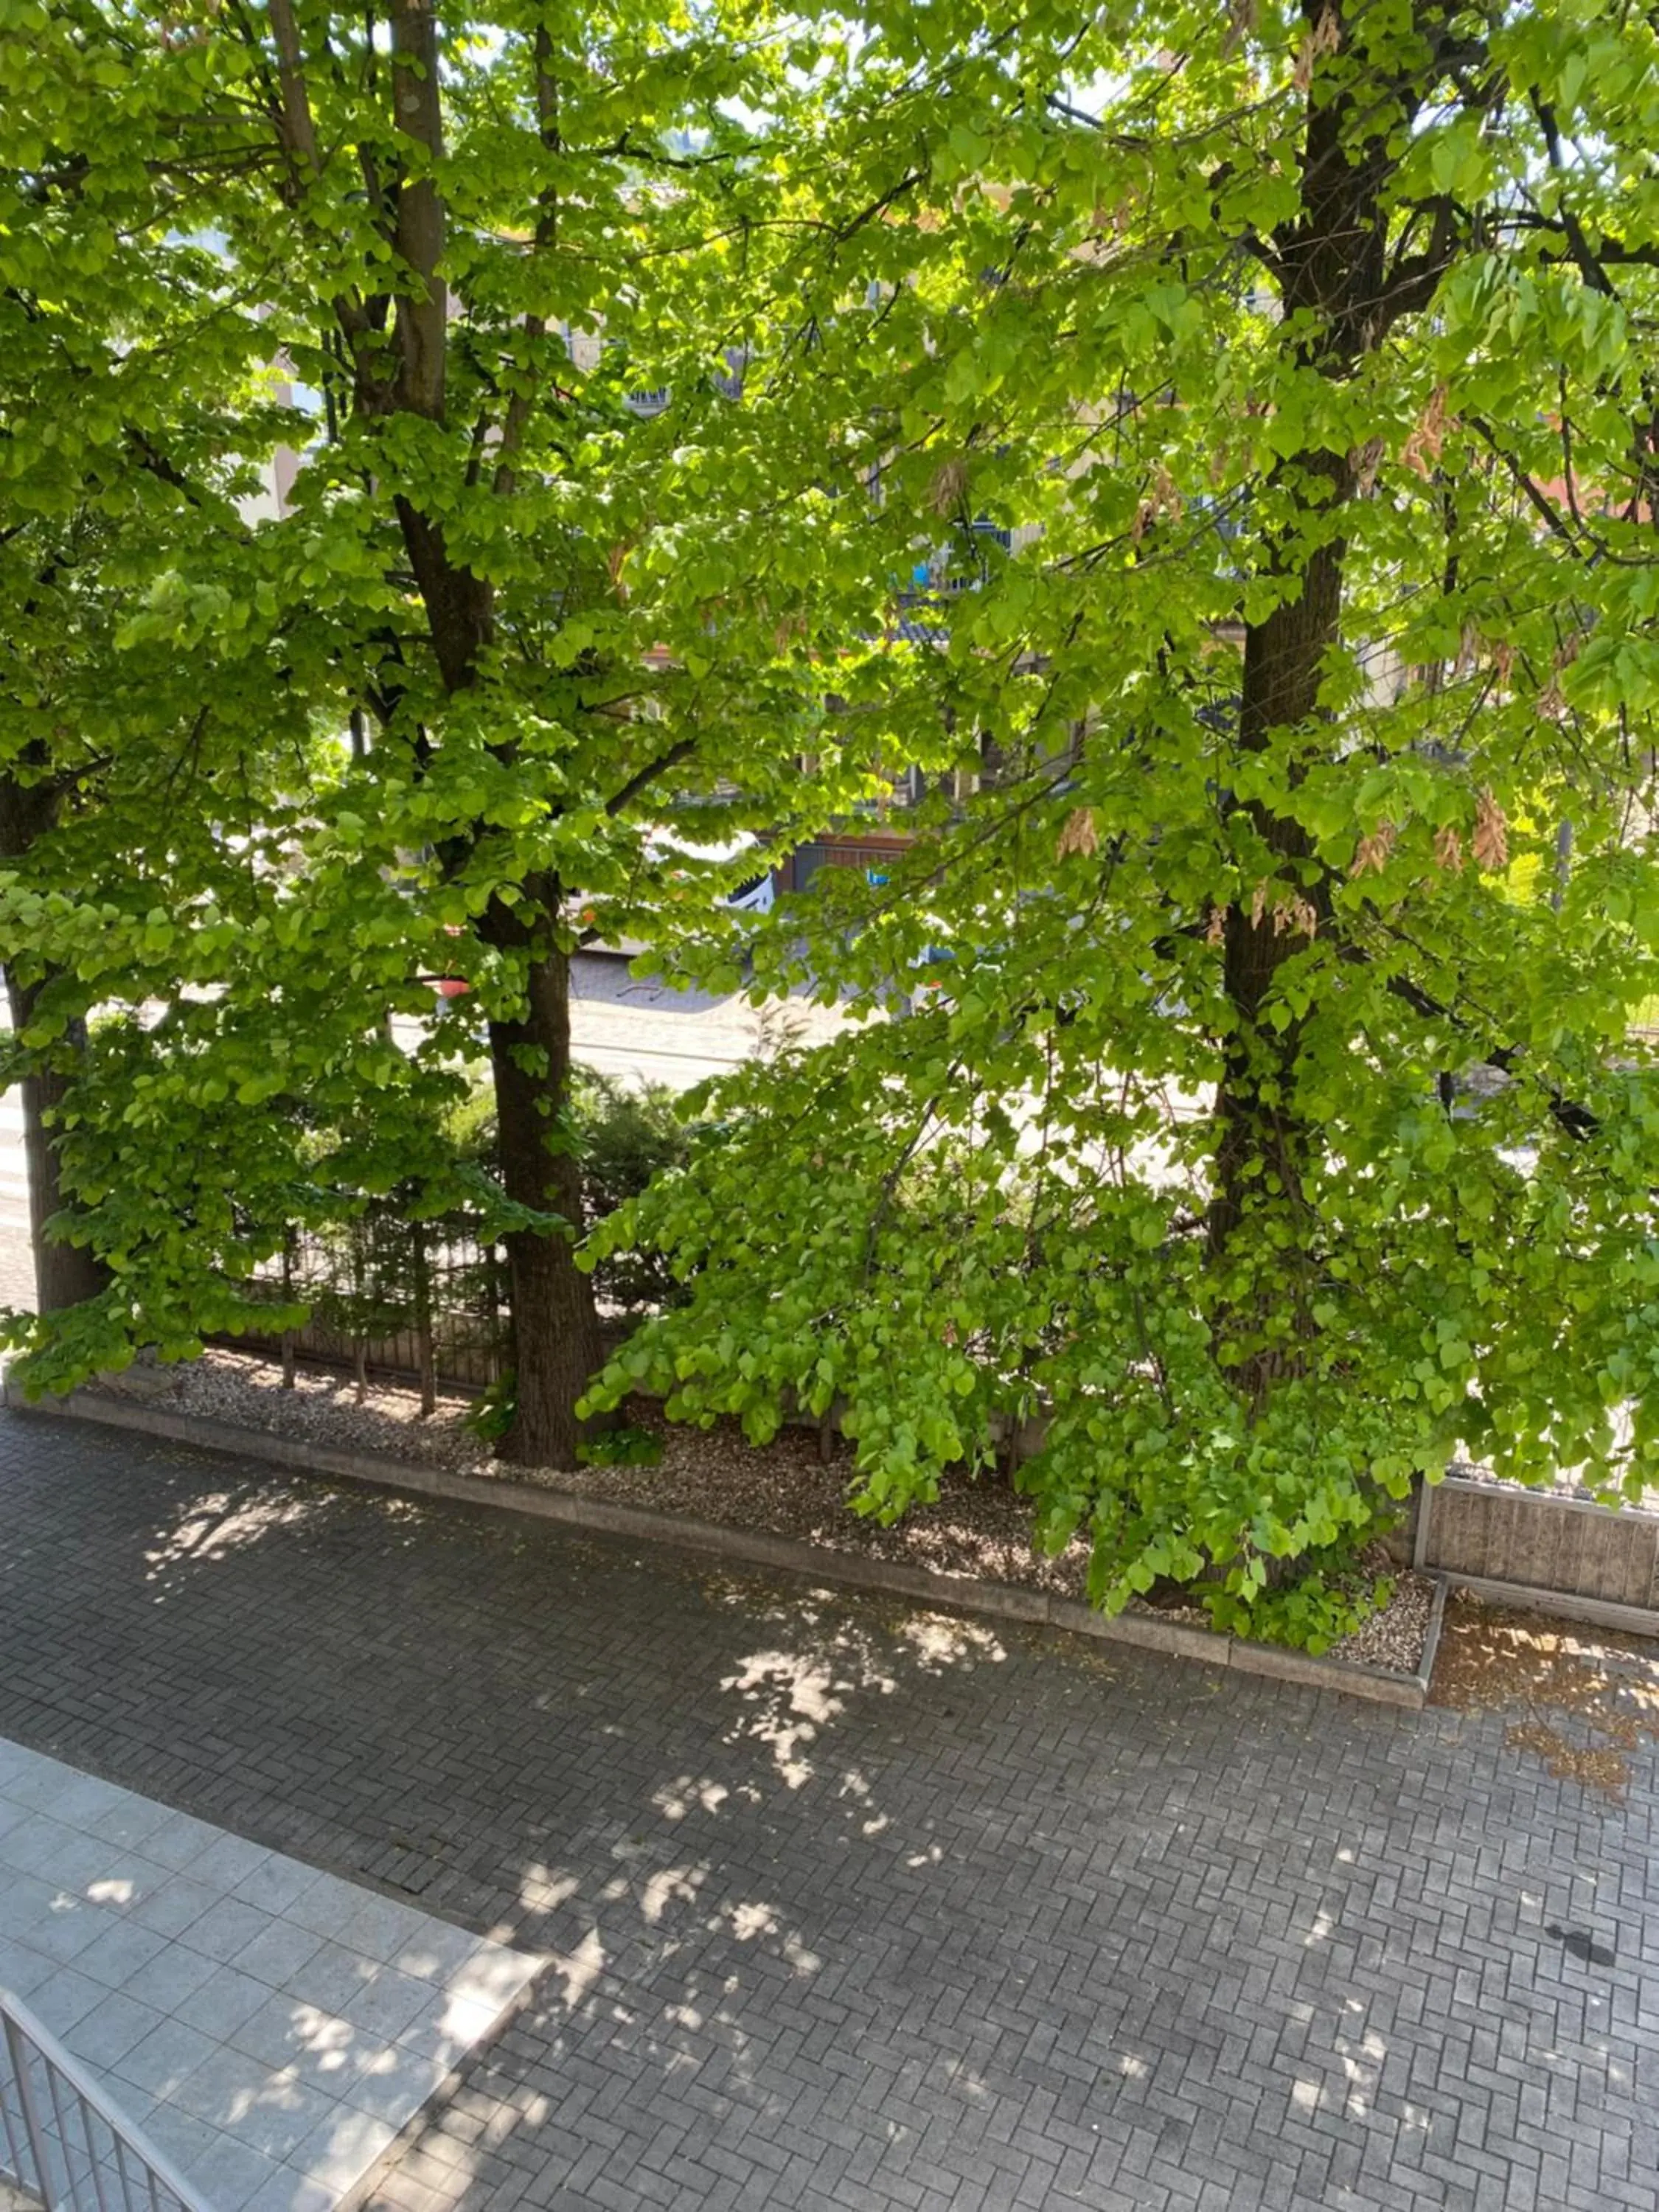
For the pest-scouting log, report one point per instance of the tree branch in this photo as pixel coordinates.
(1524, 483)
(422, 316)
(1577, 1121)
(298, 129)
(643, 778)
(516, 419)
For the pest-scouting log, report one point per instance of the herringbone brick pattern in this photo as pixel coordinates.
(850, 1907)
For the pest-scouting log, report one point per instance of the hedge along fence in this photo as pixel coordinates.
(426, 1301)
(1599, 1562)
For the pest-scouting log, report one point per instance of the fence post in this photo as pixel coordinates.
(421, 1275)
(495, 1361)
(288, 1296)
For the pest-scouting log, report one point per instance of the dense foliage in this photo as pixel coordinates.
(392, 724)
(1272, 1126)
(1210, 453)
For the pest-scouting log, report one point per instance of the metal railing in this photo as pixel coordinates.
(62, 2139)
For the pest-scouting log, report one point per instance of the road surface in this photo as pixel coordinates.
(644, 1031)
(13, 1175)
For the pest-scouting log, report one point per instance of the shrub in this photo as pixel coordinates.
(627, 1137)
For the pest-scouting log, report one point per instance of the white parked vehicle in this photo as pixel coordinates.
(755, 894)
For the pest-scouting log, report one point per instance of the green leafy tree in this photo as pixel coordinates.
(1273, 1125)
(461, 245)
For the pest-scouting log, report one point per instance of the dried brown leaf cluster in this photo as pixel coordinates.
(1364, 461)
(1373, 851)
(1162, 499)
(1325, 38)
(1078, 835)
(1491, 843)
(1552, 700)
(1422, 447)
(946, 493)
(1112, 216)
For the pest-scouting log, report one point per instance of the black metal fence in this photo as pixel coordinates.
(422, 1301)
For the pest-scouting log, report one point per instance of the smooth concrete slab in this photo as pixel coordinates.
(271, 2028)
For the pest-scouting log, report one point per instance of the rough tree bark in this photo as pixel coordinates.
(1284, 656)
(1340, 296)
(530, 1059)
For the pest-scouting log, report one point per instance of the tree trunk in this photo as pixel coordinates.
(555, 1336)
(555, 1325)
(1340, 298)
(1263, 1146)
(1283, 660)
(555, 1331)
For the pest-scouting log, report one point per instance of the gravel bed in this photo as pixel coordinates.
(979, 1529)
(245, 1389)
(1393, 1637)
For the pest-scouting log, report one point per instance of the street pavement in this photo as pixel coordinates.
(622, 1026)
(854, 1908)
(13, 1173)
(643, 1031)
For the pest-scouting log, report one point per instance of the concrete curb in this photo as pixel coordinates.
(1431, 1641)
(751, 1547)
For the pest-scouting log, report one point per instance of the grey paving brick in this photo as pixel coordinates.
(845, 1908)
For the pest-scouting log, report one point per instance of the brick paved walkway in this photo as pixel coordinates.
(855, 1908)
